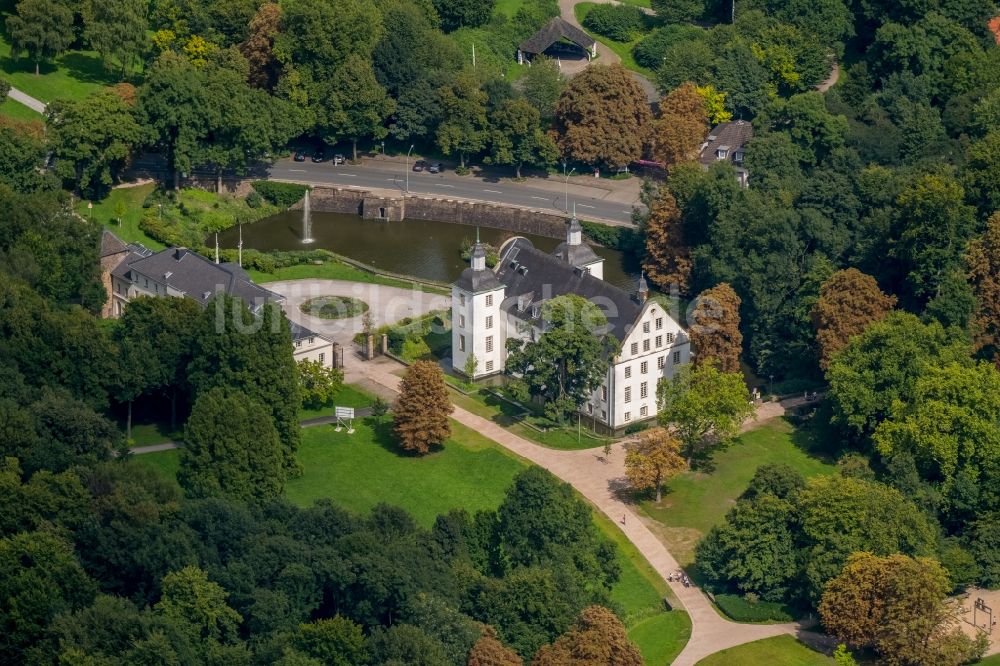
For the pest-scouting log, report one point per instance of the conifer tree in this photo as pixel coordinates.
(715, 335)
(421, 411)
(597, 637)
(668, 259)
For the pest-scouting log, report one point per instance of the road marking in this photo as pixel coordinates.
(493, 191)
(584, 206)
(443, 185)
(391, 179)
(352, 175)
(541, 198)
(298, 171)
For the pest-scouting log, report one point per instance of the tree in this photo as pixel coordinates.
(41, 28)
(704, 406)
(258, 48)
(668, 259)
(541, 84)
(471, 367)
(231, 449)
(379, 407)
(777, 479)
(716, 337)
(654, 459)
(336, 641)
(318, 385)
(357, 104)
(463, 127)
(982, 181)
(983, 264)
(813, 129)
(405, 644)
(117, 28)
(603, 117)
(568, 361)
(848, 302)
(517, 139)
(898, 606)
(597, 637)
(197, 607)
(684, 11)
(681, 126)
(489, 651)
(93, 139)
(21, 157)
(420, 416)
(457, 14)
(883, 364)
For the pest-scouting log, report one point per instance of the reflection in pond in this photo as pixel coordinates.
(422, 248)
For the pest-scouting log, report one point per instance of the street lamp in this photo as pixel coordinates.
(383, 150)
(407, 167)
(771, 389)
(566, 189)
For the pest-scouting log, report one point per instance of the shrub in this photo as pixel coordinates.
(650, 51)
(4, 88)
(282, 195)
(254, 200)
(624, 239)
(621, 23)
(743, 609)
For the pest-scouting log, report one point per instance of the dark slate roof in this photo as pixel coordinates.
(111, 244)
(539, 275)
(300, 332)
(575, 255)
(195, 276)
(477, 281)
(732, 135)
(552, 32)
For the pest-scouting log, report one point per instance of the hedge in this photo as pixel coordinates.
(739, 609)
(625, 239)
(621, 23)
(649, 52)
(283, 195)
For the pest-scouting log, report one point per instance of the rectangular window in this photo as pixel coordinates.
(461, 299)
(461, 321)
(661, 361)
(644, 367)
(645, 345)
(489, 366)
(311, 340)
(628, 394)
(489, 300)
(628, 371)
(604, 393)
(298, 343)
(628, 416)
(644, 411)
(489, 343)
(489, 322)
(461, 343)
(659, 341)
(677, 358)
(322, 358)
(670, 338)
(644, 390)
(590, 408)
(635, 347)
(604, 415)
(659, 323)
(645, 327)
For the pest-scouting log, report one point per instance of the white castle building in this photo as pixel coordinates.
(488, 306)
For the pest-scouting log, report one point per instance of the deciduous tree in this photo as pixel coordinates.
(897, 605)
(704, 406)
(457, 14)
(668, 259)
(464, 126)
(117, 28)
(516, 137)
(356, 104)
(848, 302)
(258, 48)
(335, 641)
(652, 460)
(420, 416)
(983, 264)
(715, 336)
(489, 651)
(198, 607)
(41, 28)
(681, 126)
(542, 83)
(318, 384)
(603, 117)
(597, 637)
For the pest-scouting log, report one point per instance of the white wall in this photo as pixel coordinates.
(470, 320)
(306, 351)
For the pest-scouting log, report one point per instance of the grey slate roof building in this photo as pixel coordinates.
(555, 30)
(726, 141)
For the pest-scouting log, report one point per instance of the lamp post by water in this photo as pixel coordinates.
(407, 168)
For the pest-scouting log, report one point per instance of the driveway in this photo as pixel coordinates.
(387, 304)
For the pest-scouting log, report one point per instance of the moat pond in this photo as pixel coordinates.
(421, 248)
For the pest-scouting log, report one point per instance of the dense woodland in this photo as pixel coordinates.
(864, 256)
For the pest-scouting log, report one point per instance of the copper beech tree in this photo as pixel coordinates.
(715, 335)
(489, 651)
(420, 417)
(983, 261)
(681, 126)
(654, 459)
(848, 302)
(596, 637)
(668, 259)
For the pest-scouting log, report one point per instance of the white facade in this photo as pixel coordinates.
(314, 348)
(478, 327)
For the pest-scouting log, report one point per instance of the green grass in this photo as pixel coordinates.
(166, 463)
(74, 75)
(129, 231)
(695, 501)
(661, 637)
(334, 307)
(146, 434)
(637, 3)
(508, 7)
(739, 609)
(993, 660)
(777, 651)
(348, 396)
(17, 111)
(333, 270)
(622, 49)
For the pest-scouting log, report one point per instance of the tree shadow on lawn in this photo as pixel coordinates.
(814, 434)
(384, 437)
(88, 68)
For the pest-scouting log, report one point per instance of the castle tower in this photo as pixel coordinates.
(478, 327)
(577, 253)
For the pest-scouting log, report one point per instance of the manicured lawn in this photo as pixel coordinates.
(74, 75)
(777, 651)
(105, 213)
(695, 501)
(333, 270)
(17, 111)
(662, 637)
(622, 49)
(348, 396)
(165, 462)
(993, 660)
(145, 434)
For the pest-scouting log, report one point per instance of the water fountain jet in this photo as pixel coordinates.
(306, 220)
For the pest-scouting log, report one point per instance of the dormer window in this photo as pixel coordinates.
(738, 156)
(722, 152)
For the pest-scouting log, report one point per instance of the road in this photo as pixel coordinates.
(611, 201)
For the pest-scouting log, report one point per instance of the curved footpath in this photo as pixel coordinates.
(598, 481)
(27, 100)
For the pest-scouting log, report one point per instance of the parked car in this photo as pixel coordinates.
(300, 155)
(319, 155)
(419, 165)
(437, 167)
(338, 159)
